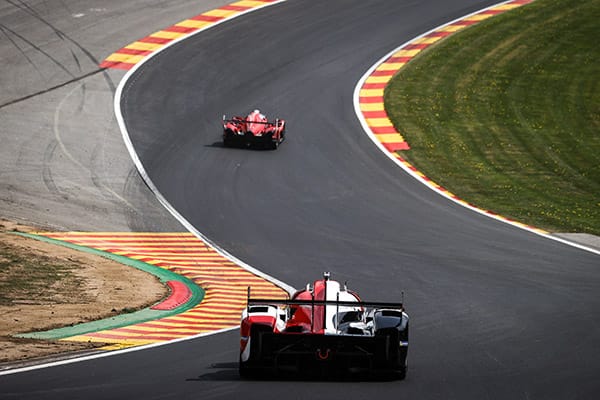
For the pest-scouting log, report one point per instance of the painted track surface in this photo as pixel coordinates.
(224, 286)
(496, 312)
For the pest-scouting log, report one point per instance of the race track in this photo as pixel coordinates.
(496, 312)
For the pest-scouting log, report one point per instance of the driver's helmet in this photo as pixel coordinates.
(259, 114)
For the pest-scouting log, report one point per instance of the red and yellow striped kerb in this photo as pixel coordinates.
(371, 102)
(371, 93)
(224, 282)
(133, 53)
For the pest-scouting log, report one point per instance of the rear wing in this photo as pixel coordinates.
(313, 302)
(277, 122)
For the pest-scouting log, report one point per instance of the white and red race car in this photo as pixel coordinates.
(254, 129)
(323, 330)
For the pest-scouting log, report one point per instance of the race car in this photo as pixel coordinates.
(324, 330)
(254, 129)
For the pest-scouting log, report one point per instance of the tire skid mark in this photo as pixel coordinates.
(47, 177)
(62, 36)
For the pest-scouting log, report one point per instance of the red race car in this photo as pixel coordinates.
(254, 129)
(324, 330)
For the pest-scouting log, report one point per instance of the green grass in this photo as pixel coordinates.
(506, 114)
(26, 277)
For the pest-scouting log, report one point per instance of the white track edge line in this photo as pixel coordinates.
(108, 353)
(390, 155)
(225, 254)
(167, 205)
(146, 177)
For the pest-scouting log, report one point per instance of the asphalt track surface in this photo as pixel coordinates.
(496, 312)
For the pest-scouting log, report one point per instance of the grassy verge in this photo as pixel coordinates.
(26, 277)
(506, 114)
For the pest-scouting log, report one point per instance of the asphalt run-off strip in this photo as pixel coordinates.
(370, 101)
(208, 290)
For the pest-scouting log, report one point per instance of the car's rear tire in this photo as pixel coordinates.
(245, 370)
(250, 367)
(401, 374)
